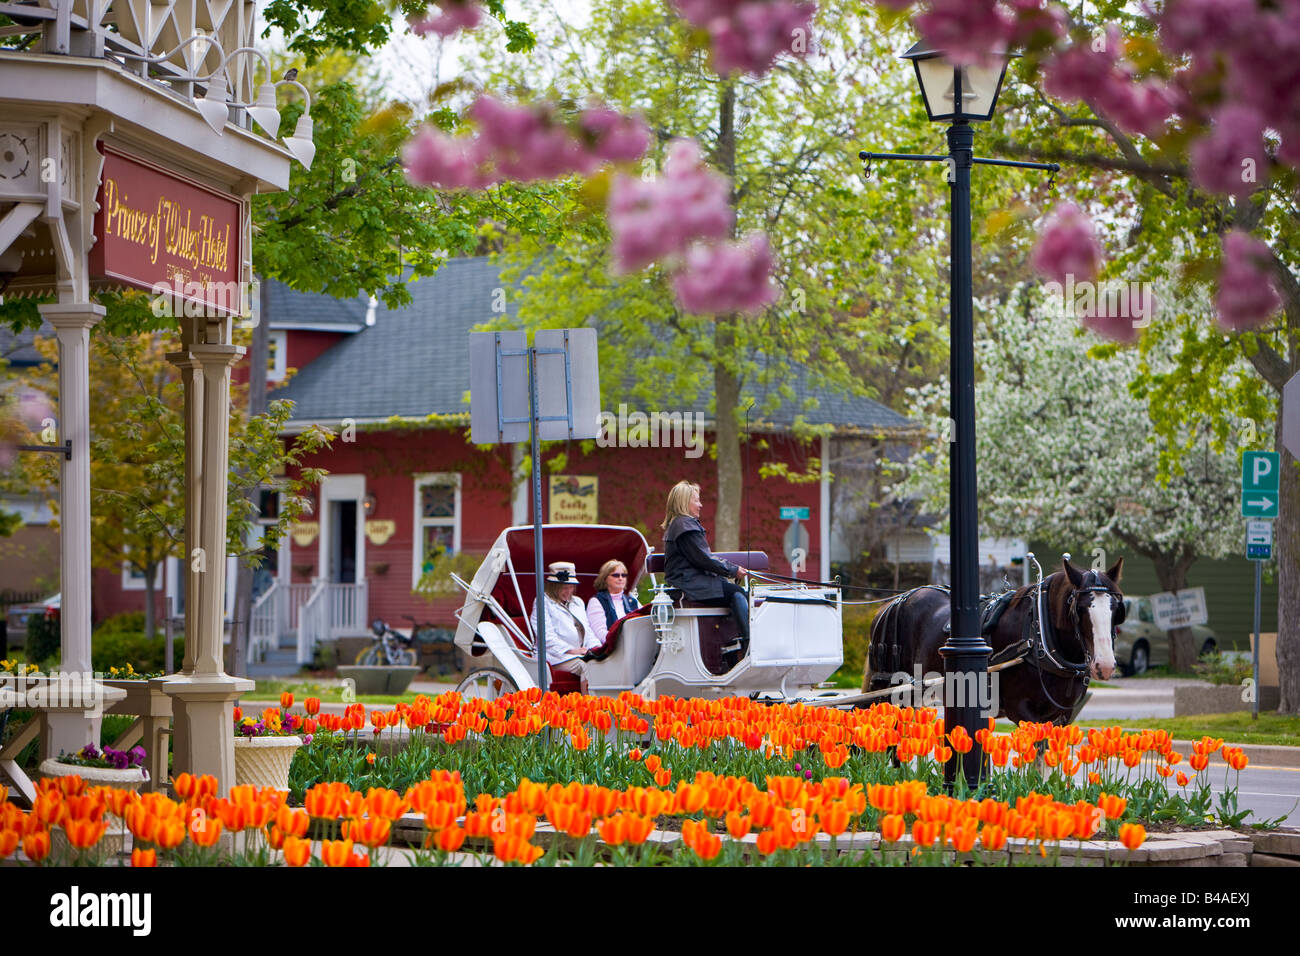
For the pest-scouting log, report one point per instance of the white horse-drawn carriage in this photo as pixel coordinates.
(665, 647)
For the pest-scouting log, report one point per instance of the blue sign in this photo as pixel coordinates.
(791, 513)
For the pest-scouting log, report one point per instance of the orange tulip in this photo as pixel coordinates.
(368, 831)
(1094, 777)
(1183, 779)
(184, 785)
(835, 818)
(1111, 805)
(613, 830)
(205, 831)
(579, 826)
(1165, 771)
(296, 851)
(766, 842)
(634, 755)
(440, 815)
(239, 714)
(286, 700)
(637, 828)
(961, 838)
(891, 828)
(924, 832)
(36, 845)
(312, 706)
(1238, 761)
(1199, 762)
(738, 826)
(1132, 835)
(9, 840)
(450, 839)
(335, 852)
(707, 846)
(83, 834)
(993, 837)
(171, 833)
(652, 763)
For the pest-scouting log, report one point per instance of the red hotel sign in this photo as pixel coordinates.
(156, 229)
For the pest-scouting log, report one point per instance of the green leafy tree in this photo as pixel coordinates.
(858, 259)
(1157, 226)
(137, 468)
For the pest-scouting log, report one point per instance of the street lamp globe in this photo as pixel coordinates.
(955, 94)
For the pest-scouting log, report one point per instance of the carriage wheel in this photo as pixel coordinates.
(488, 683)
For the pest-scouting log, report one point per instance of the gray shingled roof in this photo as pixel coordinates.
(414, 361)
(290, 309)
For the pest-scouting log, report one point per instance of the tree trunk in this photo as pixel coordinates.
(1288, 579)
(257, 358)
(150, 624)
(1172, 574)
(726, 383)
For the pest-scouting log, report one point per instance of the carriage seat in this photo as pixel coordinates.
(562, 682)
(612, 635)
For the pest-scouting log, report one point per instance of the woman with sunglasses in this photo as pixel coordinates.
(612, 599)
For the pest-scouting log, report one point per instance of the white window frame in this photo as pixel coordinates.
(279, 338)
(420, 522)
(132, 583)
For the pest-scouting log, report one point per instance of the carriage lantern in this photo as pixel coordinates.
(662, 614)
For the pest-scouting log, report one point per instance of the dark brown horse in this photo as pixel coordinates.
(1076, 644)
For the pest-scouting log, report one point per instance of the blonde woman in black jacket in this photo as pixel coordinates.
(690, 566)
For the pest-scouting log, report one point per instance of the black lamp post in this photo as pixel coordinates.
(961, 95)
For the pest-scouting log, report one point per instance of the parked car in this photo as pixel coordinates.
(1139, 644)
(16, 619)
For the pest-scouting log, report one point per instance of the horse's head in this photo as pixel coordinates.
(1096, 608)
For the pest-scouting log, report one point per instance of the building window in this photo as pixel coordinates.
(437, 520)
(277, 345)
(133, 580)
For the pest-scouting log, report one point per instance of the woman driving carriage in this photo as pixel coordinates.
(567, 637)
(690, 567)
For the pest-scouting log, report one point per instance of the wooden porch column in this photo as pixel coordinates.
(203, 694)
(68, 732)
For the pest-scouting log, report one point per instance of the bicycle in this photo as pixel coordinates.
(390, 647)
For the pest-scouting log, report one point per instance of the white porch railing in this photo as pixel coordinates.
(295, 596)
(331, 611)
(264, 631)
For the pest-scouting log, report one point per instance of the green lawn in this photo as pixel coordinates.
(1235, 728)
(270, 690)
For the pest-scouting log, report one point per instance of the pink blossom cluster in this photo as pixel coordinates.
(452, 17)
(683, 220)
(1095, 74)
(26, 414)
(522, 144)
(1257, 48)
(970, 31)
(1068, 246)
(653, 220)
(1246, 297)
(727, 276)
(747, 36)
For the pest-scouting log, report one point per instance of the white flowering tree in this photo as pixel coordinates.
(1068, 454)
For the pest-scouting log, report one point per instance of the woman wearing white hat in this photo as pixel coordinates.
(567, 636)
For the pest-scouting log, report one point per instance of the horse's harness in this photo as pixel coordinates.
(1039, 644)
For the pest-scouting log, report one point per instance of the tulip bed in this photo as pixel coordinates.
(636, 782)
(627, 741)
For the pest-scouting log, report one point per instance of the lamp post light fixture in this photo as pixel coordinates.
(959, 95)
(662, 614)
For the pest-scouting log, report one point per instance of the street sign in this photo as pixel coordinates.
(1179, 608)
(1291, 416)
(1260, 471)
(1259, 540)
(791, 513)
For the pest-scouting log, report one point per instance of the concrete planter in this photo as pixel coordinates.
(96, 776)
(1192, 700)
(265, 761)
(379, 679)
